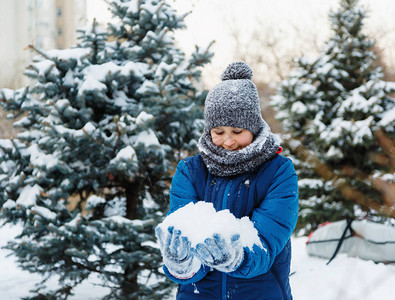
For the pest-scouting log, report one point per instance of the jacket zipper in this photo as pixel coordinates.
(226, 195)
(224, 206)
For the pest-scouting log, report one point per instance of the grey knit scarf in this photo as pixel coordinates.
(225, 163)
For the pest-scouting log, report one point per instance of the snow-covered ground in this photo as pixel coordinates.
(15, 283)
(344, 278)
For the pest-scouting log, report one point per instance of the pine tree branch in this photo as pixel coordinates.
(92, 138)
(41, 52)
(159, 8)
(387, 144)
(118, 138)
(349, 192)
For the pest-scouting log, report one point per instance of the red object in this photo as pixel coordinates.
(280, 149)
(311, 233)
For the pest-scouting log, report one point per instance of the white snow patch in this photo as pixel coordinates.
(299, 108)
(101, 72)
(43, 67)
(40, 159)
(388, 118)
(121, 220)
(6, 144)
(67, 54)
(312, 183)
(28, 195)
(44, 212)
(9, 204)
(127, 154)
(89, 128)
(147, 138)
(133, 7)
(334, 152)
(94, 201)
(344, 278)
(143, 117)
(147, 87)
(91, 84)
(74, 222)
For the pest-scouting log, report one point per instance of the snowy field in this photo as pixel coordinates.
(343, 279)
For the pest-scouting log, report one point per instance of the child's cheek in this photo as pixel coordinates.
(245, 141)
(217, 140)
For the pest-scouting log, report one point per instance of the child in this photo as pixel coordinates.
(239, 168)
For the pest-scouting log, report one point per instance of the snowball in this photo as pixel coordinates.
(198, 221)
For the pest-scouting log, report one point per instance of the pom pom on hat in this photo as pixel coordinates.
(237, 70)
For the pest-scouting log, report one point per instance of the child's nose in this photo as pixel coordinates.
(229, 141)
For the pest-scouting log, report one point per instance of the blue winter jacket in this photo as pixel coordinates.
(269, 197)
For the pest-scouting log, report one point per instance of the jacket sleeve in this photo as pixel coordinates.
(182, 192)
(275, 219)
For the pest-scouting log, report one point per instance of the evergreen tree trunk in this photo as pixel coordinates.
(132, 191)
(130, 286)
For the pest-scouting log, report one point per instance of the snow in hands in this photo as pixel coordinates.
(197, 234)
(199, 221)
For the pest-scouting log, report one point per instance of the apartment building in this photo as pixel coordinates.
(47, 24)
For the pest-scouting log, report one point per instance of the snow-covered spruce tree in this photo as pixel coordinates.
(333, 106)
(103, 126)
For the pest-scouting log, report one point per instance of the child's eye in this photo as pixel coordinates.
(218, 132)
(237, 131)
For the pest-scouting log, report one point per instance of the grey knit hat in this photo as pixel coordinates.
(234, 102)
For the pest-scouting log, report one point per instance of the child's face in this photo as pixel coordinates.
(231, 138)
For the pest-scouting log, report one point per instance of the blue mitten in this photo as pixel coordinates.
(217, 253)
(176, 252)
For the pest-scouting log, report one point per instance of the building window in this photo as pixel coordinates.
(59, 12)
(59, 31)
